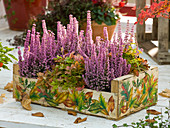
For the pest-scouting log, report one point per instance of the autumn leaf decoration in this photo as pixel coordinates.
(127, 95)
(111, 104)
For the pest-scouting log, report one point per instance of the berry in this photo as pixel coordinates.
(1, 64)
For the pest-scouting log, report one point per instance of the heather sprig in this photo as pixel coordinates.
(103, 60)
(38, 57)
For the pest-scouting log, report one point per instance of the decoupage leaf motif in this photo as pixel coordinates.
(145, 101)
(26, 82)
(20, 80)
(88, 95)
(134, 83)
(95, 108)
(31, 84)
(102, 101)
(68, 102)
(51, 102)
(131, 103)
(125, 88)
(111, 105)
(34, 96)
(130, 93)
(136, 72)
(17, 94)
(62, 97)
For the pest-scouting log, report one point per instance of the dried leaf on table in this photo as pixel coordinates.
(2, 95)
(26, 101)
(72, 113)
(76, 121)
(1, 100)
(165, 93)
(152, 111)
(9, 87)
(38, 114)
(82, 120)
(79, 120)
(150, 120)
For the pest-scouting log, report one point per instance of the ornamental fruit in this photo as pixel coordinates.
(1, 64)
(121, 4)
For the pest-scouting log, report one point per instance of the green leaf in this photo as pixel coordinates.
(17, 94)
(114, 126)
(145, 101)
(20, 80)
(102, 101)
(108, 21)
(100, 12)
(13, 57)
(95, 107)
(34, 96)
(51, 102)
(125, 125)
(31, 85)
(26, 82)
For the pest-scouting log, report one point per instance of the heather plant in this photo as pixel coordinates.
(131, 53)
(103, 59)
(39, 53)
(38, 57)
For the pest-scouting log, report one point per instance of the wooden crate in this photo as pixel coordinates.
(128, 95)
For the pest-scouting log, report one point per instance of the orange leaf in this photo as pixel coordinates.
(89, 95)
(72, 113)
(26, 101)
(111, 104)
(38, 114)
(165, 93)
(136, 72)
(150, 120)
(9, 86)
(152, 111)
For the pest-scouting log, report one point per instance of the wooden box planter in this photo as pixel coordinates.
(128, 94)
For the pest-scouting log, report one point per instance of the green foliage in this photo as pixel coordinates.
(104, 13)
(60, 11)
(132, 57)
(5, 56)
(157, 122)
(17, 94)
(68, 72)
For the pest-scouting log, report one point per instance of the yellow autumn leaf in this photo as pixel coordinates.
(111, 104)
(62, 97)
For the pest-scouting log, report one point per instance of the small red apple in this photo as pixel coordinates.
(1, 64)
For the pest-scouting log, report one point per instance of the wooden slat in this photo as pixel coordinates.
(140, 29)
(163, 34)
